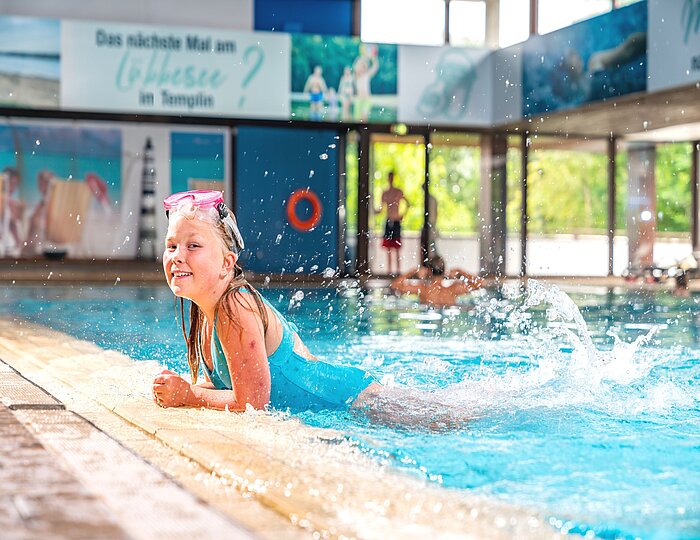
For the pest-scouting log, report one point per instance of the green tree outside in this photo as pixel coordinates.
(567, 190)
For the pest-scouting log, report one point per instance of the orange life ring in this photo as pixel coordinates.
(316, 210)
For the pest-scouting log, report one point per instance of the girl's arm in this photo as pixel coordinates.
(206, 383)
(171, 390)
(243, 343)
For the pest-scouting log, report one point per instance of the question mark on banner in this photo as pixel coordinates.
(256, 63)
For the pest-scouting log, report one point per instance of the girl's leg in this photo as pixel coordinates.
(409, 408)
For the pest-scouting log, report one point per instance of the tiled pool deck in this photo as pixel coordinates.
(86, 451)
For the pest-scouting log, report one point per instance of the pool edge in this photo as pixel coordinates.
(83, 374)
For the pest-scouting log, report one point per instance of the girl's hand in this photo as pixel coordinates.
(171, 390)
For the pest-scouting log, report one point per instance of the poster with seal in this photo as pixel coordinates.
(445, 85)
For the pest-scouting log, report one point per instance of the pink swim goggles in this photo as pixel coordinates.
(208, 199)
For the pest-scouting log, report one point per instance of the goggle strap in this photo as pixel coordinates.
(228, 219)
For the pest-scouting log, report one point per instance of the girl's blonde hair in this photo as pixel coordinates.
(193, 337)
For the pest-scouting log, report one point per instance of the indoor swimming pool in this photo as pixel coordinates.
(584, 406)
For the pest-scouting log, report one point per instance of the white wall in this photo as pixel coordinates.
(555, 255)
(231, 14)
(673, 44)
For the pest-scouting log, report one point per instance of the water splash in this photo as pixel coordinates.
(554, 365)
(296, 299)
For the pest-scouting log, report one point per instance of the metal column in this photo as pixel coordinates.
(492, 205)
(363, 200)
(695, 193)
(641, 205)
(612, 144)
(524, 160)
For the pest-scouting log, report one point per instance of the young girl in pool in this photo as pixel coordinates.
(250, 354)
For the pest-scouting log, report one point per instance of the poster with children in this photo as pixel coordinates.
(336, 78)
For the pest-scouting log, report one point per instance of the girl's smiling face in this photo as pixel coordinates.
(194, 260)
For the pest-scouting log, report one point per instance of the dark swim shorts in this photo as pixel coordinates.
(392, 234)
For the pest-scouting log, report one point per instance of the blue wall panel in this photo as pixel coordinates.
(195, 155)
(332, 17)
(271, 163)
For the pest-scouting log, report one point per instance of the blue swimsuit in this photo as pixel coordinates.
(297, 384)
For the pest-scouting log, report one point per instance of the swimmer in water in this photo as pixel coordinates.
(434, 286)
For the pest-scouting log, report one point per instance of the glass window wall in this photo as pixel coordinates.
(673, 203)
(514, 179)
(513, 22)
(403, 158)
(413, 22)
(555, 14)
(454, 189)
(567, 206)
(467, 23)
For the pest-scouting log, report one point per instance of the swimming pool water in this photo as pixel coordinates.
(601, 435)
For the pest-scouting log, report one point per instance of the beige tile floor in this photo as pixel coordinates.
(258, 473)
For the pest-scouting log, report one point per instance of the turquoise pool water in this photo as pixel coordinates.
(588, 416)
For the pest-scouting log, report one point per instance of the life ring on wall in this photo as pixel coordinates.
(316, 210)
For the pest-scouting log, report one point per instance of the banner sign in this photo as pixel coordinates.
(449, 85)
(593, 60)
(674, 30)
(149, 69)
